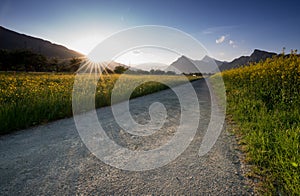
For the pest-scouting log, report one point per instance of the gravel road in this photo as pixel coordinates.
(51, 159)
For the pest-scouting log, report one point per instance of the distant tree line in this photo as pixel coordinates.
(126, 70)
(198, 74)
(21, 60)
(28, 61)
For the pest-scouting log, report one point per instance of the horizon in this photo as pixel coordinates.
(225, 34)
(176, 57)
(143, 64)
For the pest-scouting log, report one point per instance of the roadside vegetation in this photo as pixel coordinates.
(28, 99)
(264, 100)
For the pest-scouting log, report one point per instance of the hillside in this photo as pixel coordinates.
(209, 65)
(11, 40)
(186, 65)
(255, 57)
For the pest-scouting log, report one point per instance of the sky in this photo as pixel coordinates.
(227, 29)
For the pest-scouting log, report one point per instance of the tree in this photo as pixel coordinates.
(120, 69)
(5, 64)
(75, 62)
(170, 73)
(156, 72)
(53, 65)
(74, 65)
(283, 51)
(107, 71)
(22, 60)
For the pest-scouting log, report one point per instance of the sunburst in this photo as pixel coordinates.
(91, 67)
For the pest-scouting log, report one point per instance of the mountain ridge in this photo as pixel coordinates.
(187, 65)
(210, 65)
(255, 57)
(11, 40)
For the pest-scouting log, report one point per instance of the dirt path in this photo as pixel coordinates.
(52, 160)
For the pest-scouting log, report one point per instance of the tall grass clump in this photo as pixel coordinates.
(264, 100)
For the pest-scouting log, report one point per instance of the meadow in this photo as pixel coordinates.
(263, 100)
(28, 99)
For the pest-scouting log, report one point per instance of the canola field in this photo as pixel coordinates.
(28, 99)
(264, 100)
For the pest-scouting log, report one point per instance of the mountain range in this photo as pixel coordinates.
(187, 65)
(255, 57)
(11, 40)
(210, 65)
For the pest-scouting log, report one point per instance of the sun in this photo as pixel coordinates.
(94, 68)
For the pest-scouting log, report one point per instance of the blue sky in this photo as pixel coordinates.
(227, 29)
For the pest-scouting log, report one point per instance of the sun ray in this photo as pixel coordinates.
(81, 67)
(97, 69)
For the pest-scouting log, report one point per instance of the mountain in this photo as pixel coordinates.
(208, 64)
(255, 57)
(186, 65)
(183, 65)
(209, 59)
(11, 40)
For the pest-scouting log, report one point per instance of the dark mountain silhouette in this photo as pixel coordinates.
(255, 57)
(187, 65)
(183, 65)
(209, 59)
(210, 65)
(11, 40)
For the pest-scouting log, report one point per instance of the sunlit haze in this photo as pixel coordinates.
(141, 56)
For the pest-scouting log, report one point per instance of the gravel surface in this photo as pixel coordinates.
(52, 160)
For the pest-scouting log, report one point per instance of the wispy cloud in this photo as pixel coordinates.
(232, 43)
(221, 39)
(218, 29)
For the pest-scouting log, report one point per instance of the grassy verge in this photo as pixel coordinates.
(28, 99)
(264, 101)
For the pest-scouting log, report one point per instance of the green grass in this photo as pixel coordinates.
(28, 99)
(264, 99)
